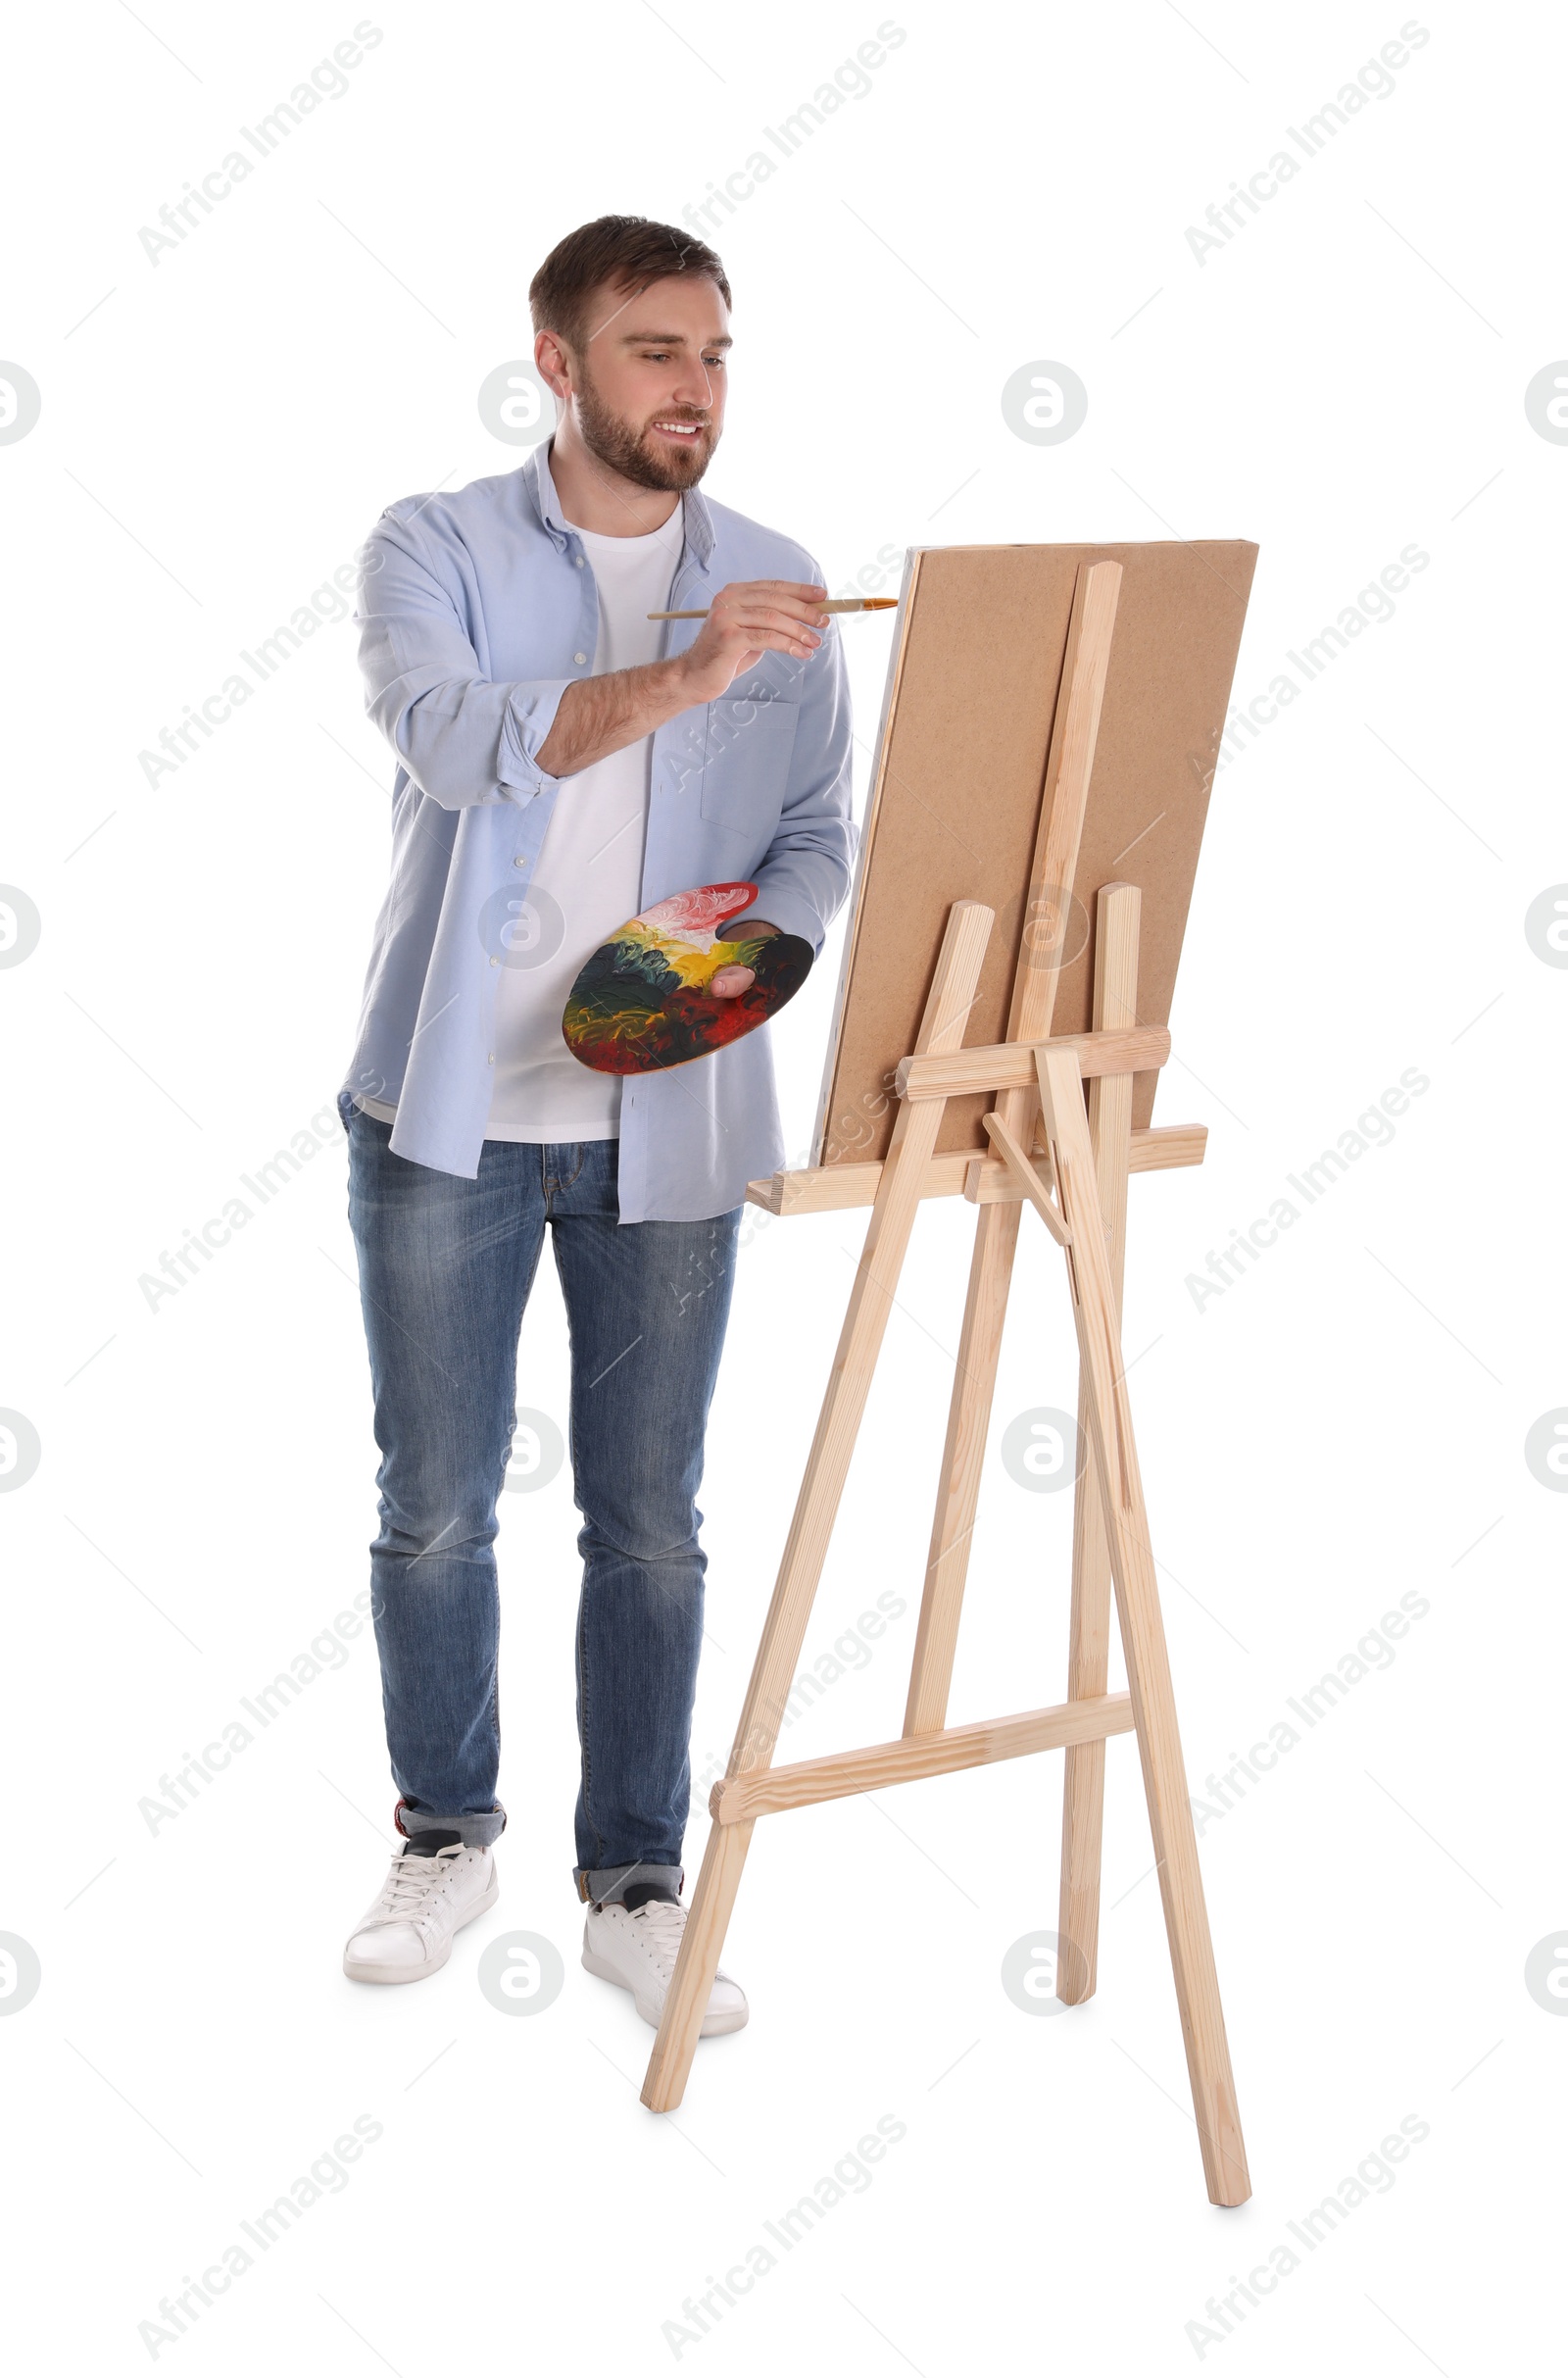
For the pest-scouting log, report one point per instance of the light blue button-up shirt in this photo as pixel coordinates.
(476, 610)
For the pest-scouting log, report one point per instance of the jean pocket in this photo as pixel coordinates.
(746, 765)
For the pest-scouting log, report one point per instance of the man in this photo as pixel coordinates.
(563, 762)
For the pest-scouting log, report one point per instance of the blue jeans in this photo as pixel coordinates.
(446, 1266)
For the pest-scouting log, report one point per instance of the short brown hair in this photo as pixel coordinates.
(627, 252)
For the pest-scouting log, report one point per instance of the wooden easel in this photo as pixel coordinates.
(1081, 1196)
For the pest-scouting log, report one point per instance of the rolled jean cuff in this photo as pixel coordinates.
(608, 1885)
(476, 1831)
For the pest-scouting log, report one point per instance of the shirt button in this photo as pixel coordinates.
(495, 962)
(579, 658)
(491, 1058)
(579, 561)
(520, 862)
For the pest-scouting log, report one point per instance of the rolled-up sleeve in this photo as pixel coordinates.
(802, 881)
(462, 739)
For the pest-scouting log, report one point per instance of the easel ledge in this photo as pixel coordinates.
(832, 1188)
(962, 1171)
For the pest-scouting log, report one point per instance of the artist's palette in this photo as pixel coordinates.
(644, 1000)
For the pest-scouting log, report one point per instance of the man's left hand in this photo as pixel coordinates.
(730, 981)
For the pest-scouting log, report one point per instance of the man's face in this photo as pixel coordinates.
(647, 393)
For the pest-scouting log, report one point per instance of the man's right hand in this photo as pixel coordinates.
(753, 617)
(598, 715)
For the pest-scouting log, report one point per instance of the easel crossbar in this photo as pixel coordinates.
(1010, 1064)
(738, 1798)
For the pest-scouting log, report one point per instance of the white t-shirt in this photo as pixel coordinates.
(588, 878)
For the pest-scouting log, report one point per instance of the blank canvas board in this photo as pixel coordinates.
(973, 679)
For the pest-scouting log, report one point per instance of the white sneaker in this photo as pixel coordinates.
(406, 1933)
(638, 1951)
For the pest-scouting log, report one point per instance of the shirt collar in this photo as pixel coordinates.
(696, 521)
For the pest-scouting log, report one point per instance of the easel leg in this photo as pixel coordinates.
(1159, 1749)
(713, 1903)
(1083, 1801)
(897, 1201)
(962, 1456)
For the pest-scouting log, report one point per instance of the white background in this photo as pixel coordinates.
(1346, 1425)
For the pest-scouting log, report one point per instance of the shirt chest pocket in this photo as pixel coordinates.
(746, 764)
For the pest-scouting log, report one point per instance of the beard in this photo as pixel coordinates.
(635, 454)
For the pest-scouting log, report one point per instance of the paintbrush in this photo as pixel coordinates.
(854, 602)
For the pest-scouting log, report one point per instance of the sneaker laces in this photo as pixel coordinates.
(412, 1880)
(661, 1924)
